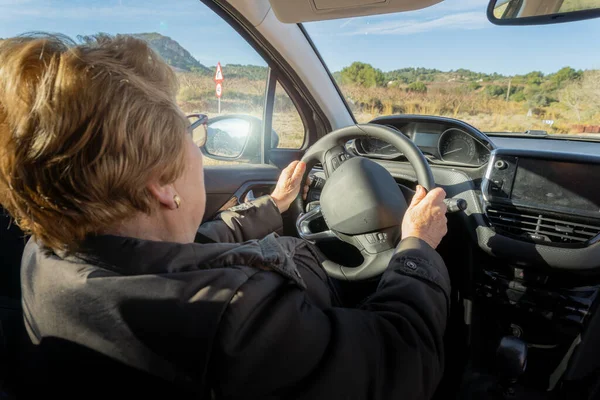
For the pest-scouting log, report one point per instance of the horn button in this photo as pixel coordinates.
(361, 196)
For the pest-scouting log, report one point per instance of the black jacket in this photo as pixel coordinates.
(128, 317)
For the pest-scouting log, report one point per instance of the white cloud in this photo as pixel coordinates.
(461, 21)
(346, 23)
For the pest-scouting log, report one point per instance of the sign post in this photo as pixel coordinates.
(219, 84)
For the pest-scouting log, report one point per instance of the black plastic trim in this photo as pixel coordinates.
(268, 115)
(407, 118)
(550, 155)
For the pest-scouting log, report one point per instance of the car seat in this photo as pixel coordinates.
(12, 330)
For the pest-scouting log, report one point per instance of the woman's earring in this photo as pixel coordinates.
(177, 200)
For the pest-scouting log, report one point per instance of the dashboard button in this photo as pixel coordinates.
(500, 164)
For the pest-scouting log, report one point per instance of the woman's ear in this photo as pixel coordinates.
(165, 194)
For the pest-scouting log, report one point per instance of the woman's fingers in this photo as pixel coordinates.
(299, 169)
(288, 185)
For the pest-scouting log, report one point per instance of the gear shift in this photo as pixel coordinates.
(511, 361)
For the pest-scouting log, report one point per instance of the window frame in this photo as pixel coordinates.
(314, 120)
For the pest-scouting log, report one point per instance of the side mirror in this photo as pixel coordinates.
(231, 137)
(540, 12)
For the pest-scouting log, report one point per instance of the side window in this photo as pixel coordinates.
(227, 83)
(287, 123)
(228, 105)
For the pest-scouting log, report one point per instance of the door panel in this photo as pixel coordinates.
(225, 182)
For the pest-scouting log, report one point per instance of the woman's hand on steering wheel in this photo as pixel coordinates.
(426, 217)
(288, 185)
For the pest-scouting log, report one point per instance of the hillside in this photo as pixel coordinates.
(172, 52)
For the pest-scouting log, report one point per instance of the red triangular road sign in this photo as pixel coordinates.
(219, 74)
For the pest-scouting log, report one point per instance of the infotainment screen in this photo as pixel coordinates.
(557, 184)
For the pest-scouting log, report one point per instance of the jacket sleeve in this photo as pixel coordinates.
(276, 342)
(251, 220)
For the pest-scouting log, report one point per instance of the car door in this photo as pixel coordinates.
(258, 121)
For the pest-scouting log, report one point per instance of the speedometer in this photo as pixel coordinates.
(457, 146)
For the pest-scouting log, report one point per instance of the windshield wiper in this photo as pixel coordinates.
(534, 132)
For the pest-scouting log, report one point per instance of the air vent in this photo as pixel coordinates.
(539, 227)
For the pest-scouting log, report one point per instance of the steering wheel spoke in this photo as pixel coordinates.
(376, 248)
(303, 225)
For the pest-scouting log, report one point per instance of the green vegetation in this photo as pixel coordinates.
(251, 72)
(562, 102)
(417, 87)
(362, 74)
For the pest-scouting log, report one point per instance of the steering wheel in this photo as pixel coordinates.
(361, 202)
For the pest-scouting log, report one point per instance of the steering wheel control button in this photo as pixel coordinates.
(335, 163)
(370, 238)
(411, 265)
(317, 182)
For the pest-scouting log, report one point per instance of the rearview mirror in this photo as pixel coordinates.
(540, 12)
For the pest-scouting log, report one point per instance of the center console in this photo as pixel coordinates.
(550, 201)
(544, 198)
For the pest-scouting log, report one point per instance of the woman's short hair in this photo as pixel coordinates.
(82, 130)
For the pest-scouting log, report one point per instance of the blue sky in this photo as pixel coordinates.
(450, 35)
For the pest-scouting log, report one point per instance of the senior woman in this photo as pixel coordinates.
(98, 164)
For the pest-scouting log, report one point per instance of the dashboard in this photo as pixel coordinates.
(441, 140)
(540, 209)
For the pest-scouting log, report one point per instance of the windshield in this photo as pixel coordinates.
(449, 60)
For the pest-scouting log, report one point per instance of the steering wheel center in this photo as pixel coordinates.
(361, 196)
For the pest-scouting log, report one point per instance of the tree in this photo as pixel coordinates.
(583, 94)
(362, 74)
(534, 78)
(417, 87)
(566, 74)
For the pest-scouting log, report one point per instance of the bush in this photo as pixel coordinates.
(519, 96)
(473, 86)
(495, 90)
(540, 100)
(417, 87)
